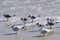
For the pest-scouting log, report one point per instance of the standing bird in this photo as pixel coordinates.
(24, 20)
(33, 17)
(51, 22)
(7, 16)
(43, 31)
(16, 28)
(40, 25)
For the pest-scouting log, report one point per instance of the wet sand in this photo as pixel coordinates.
(22, 8)
(29, 33)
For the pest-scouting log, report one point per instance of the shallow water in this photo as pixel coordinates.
(22, 8)
(29, 33)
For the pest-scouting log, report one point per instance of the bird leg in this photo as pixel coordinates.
(43, 35)
(7, 19)
(32, 20)
(16, 33)
(50, 26)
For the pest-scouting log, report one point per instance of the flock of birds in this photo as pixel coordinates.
(43, 30)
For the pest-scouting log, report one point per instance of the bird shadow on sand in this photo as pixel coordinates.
(36, 36)
(10, 34)
(3, 21)
(34, 31)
